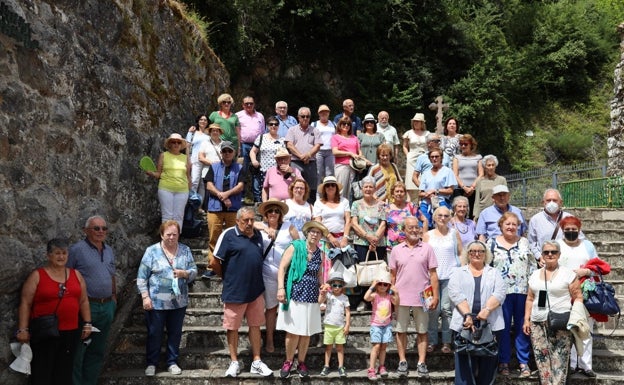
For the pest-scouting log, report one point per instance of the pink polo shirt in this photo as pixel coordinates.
(251, 125)
(277, 185)
(412, 265)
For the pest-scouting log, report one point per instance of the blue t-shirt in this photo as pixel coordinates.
(488, 221)
(241, 259)
(97, 269)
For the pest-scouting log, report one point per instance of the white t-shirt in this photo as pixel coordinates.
(332, 218)
(558, 292)
(211, 151)
(574, 257)
(335, 311)
(327, 131)
(298, 215)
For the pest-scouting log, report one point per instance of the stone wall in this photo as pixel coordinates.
(87, 87)
(615, 142)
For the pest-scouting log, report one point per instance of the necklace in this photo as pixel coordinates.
(456, 226)
(170, 256)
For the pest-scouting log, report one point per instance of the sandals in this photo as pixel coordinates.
(446, 348)
(503, 369)
(525, 371)
(431, 348)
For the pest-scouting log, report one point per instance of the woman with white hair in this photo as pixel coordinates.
(485, 184)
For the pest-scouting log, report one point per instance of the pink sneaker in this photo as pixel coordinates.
(382, 371)
(371, 374)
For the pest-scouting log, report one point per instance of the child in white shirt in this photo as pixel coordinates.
(337, 320)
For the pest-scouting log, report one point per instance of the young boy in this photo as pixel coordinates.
(383, 296)
(337, 320)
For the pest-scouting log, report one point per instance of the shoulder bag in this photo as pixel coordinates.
(556, 321)
(602, 300)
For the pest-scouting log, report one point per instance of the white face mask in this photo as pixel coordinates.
(551, 207)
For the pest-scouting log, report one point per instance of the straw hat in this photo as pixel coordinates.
(418, 117)
(282, 152)
(316, 225)
(358, 164)
(272, 202)
(174, 137)
(328, 179)
(216, 126)
(323, 107)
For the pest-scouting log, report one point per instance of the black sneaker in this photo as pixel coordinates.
(586, 372)
(302, 369)
(285, 370)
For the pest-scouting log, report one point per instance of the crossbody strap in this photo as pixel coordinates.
(64, 287)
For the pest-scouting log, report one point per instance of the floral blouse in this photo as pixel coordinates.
(369, 218)
(516, 264)
(395, 219)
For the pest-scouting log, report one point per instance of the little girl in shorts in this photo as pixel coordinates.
(382, 295)
(337, 320)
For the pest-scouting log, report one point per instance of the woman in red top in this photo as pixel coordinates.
(54, 287)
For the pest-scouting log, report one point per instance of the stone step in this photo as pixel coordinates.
(604, 232)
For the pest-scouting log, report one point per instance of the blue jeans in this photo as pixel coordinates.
(257, 182)
(513, 307)
(89, 359)
(324, 164)
(156, 321)
(444, 309)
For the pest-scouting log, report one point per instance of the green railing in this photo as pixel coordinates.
(598, 192)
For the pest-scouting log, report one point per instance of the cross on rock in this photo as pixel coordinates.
(440, 107)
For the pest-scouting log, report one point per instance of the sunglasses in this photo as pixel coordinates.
(99, 228)
(175, 142)
(227, 102)
(273, 124)
(384, 284)
(434, 157)
(62, 289)
(331, 185)
(475, 252)
(273, 211)
(227, 151)
(336, 285)
(550, 252)
(248, 104)
(304, 116)
(344, 124)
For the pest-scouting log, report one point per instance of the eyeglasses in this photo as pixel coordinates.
(337, 285)
(384, 284)
(99, 228)
(62, 289)
(464, 144)
(298, 188)
(443, 216)
(248, 104)
(434, 156)
(226, 102)
(227, 151)
(550, 252)
(304, 116)
(475, 252)
(282, 107)
(273, 124)
(273, 211)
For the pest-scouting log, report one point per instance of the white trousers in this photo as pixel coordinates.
(172, 205)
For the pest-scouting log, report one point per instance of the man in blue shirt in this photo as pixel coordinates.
(348, 107)
(240, 251)
(487, 226)
(285, 121)
(95, 260)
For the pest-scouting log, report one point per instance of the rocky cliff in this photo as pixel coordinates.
(615, 142)
(87, 87)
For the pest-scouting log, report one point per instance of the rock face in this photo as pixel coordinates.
(615, 141)
(87, 88)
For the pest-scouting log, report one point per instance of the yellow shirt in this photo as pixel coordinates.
(174, 176)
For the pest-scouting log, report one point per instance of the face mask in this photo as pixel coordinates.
(571, 235)
(551, 207)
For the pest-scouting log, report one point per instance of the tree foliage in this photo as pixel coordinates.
(502, 66)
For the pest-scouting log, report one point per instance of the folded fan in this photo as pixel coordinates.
(147, 164)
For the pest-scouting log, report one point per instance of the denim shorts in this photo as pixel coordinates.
(381, 334)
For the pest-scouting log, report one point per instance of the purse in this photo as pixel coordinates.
(602, 300)
(556, 321)
(481, 343)
(45, 327)
(368, 271)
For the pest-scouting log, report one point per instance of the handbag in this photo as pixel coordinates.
(368, 271)
(602, 300)
(356, 190)
(348, 274)
(556, 321)
(46, 326)
(481, 342)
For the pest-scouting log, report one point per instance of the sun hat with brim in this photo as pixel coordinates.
(358, 164)
(328, 180)
(24, 355)
(501, 188)
(171, 137)
(369, 118)
(316, 225)
(384, 277)
(282, 152)
(272, 202)
(215, 126)
(226, 144)
(418, 117)
(323, 107)
(335, 276)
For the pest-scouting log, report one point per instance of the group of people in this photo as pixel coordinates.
(77, 285)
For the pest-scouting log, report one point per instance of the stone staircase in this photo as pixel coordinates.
(204, 356)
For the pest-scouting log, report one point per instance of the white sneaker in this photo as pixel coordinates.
(150, 370)
(174, 369)
(259, 367)
(233, 370)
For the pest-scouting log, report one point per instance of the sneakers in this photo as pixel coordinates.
(174, 369)
(150, 370)
(382, 371)
(421, 369)
(285, 370)
(259, 367)
(371, 374)
(402, 369)
(302, 369)
(342, 371)
(325, 371)
(233, 370)
(208, 274)
(586, 372)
